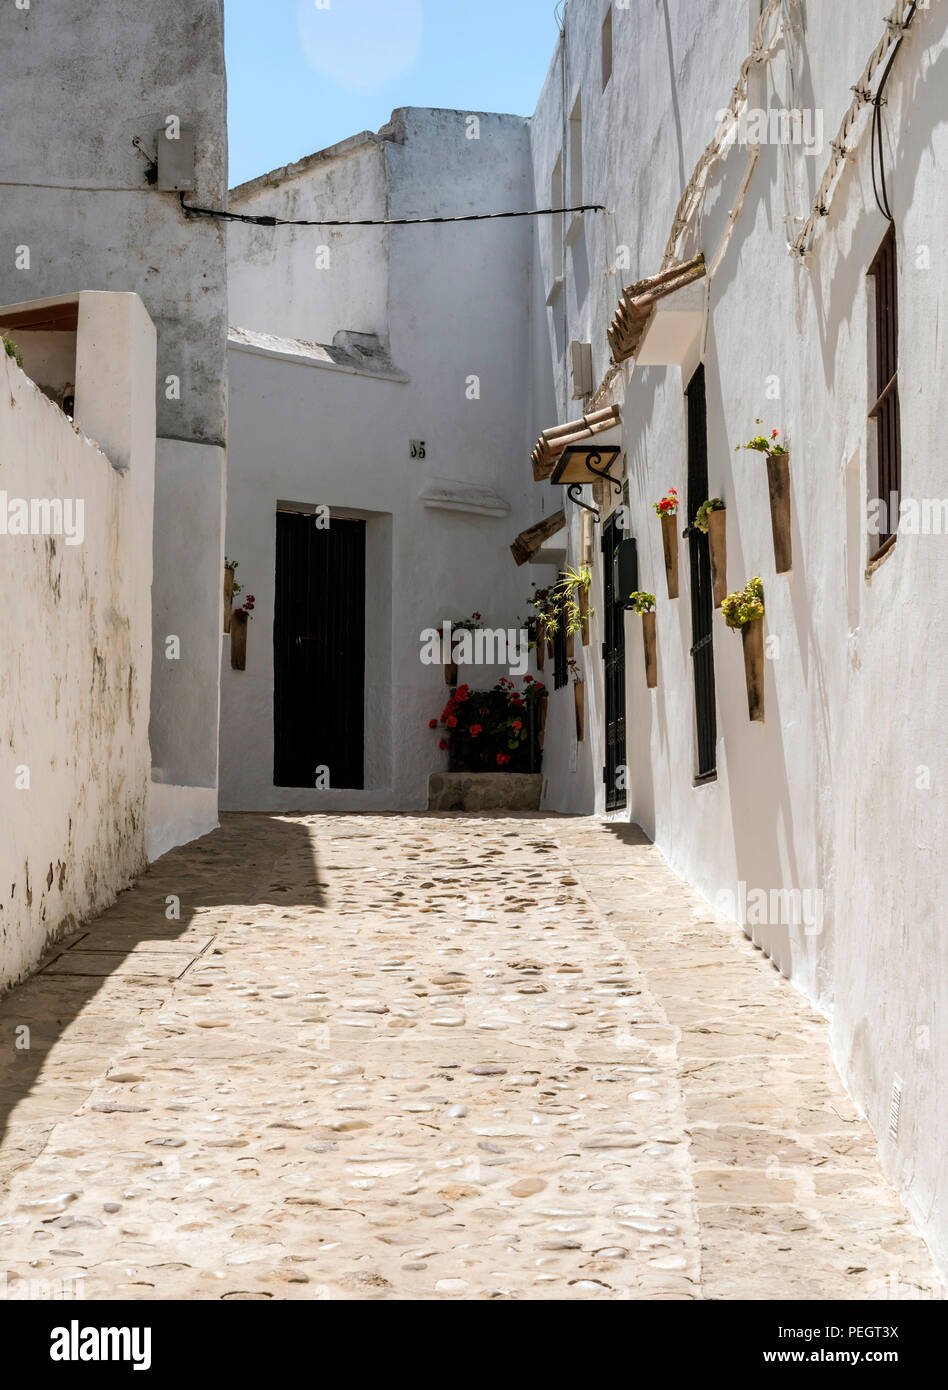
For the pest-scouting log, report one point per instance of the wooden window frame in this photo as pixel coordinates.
(885, 410)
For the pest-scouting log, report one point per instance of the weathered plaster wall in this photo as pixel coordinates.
(329, 278)
(843, 790)
(76, 196)
(75, 631)
(306, 431)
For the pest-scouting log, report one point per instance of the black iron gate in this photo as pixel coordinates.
(319, 652)
(702, 600)
(613, 651)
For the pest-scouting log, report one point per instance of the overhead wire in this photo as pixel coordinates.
(266, 220)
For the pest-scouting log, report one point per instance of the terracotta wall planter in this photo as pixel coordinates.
(752, 635)
(778, 479)
(651, 650)
(670, 548)
(228, 597)
(579, 699)
(717, 543)
(541, 653)
(541, 719)
(238, 641)
(451, 673)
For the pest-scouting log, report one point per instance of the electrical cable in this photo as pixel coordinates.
(877, 150)
(261, 220)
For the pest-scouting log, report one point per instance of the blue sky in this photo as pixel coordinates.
(303, 74)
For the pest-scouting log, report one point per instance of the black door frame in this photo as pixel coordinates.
(613, 655)
(319, 650)
(702, 598)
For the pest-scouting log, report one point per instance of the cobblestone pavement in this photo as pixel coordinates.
(431, 1057)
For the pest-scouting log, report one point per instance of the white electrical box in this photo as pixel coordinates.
(176, 160)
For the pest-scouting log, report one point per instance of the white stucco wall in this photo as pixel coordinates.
(328, 278)
(75, 632)
(75, 195)
(843, 789)
(448, 301)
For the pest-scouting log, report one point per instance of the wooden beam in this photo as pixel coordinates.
(529, 541)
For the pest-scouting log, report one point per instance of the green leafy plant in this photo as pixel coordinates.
(642, 602)
(471, 624)
(703, 514)
(559, 603)
(232, 565)
(763, 444)
(744, 605)
(543, 623)
(13, 351)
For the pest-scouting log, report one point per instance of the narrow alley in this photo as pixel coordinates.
(431, 1057)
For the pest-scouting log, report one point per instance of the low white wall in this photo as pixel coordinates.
(75, 635)
(177, 815)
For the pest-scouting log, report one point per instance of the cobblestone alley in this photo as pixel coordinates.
(431, 1057)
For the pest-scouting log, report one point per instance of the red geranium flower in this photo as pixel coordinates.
(502, 758)
(528, 680)
(443, 744)
(475, 730)
(432, 723)
(517, 724)
(451, 722)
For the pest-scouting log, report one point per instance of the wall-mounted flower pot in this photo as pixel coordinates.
(651, 650)
(451, 673)
(238, 641)
(670, 549)
(541, 719)
(717, 544)
(579, 700)
(541, 653)
(582, 598)
(228, 597)
(778, 480)
(752, 635)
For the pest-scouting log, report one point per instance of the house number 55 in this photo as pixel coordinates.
(417, 448)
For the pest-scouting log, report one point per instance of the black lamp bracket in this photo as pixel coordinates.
(591, 463)
(573, 493)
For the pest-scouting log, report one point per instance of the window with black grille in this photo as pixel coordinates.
(560, 653)
(702, 602)
(885, 412)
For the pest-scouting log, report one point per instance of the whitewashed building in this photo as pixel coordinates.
(822, 827)
(115, 300)
(379, 381)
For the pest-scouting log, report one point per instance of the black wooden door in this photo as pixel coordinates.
(319, 652)
(613, 651)
(702, 600)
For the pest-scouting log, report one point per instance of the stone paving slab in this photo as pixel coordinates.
(397, 1057)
